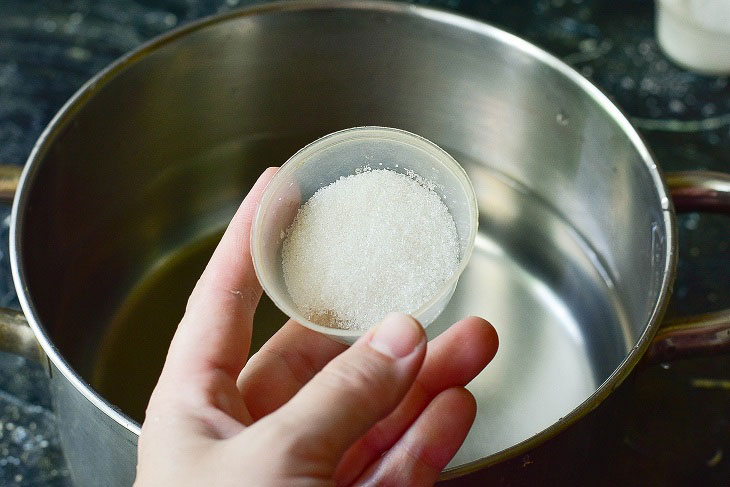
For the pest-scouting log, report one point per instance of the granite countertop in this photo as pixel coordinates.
(49, 48)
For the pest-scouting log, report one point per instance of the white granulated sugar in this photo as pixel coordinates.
(367, 244)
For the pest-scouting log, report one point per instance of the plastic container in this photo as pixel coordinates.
(695, 33)
(340, 154)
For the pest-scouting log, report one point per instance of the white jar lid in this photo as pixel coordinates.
(695, 33)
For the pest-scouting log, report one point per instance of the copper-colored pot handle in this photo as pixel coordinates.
(15, 334)
(9, 177)
(17, 337)
(705, 334)
(704, 191)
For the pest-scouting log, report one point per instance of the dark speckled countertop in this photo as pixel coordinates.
(669, 425)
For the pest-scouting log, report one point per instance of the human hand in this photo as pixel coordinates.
(304, 410)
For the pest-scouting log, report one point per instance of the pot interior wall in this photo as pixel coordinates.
(570, 254)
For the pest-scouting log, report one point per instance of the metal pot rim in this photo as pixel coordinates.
(87, 91)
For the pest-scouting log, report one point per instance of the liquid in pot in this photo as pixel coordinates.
(134, 347)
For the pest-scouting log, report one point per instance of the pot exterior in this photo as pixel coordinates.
(567, 192)
(99, 450)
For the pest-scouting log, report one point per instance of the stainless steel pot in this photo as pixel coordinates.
(577, 246)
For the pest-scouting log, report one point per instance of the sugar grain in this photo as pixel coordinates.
(367, 244)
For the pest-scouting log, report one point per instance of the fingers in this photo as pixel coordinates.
(215, 332)
(429, 444)
(453, 360)
(354, 391)
(293, 356)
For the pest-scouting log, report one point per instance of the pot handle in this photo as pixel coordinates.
(709, 333)
(16, 336)
(9, 178)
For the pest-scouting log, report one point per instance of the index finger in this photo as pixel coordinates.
(215, 332)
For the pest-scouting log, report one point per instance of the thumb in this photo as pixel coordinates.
(356, 389)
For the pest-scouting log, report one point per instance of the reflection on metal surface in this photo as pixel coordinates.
(551, 356)
(540, 371)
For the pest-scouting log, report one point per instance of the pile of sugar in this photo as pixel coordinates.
(367, 244)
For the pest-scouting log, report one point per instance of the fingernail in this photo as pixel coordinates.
(397, 335)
